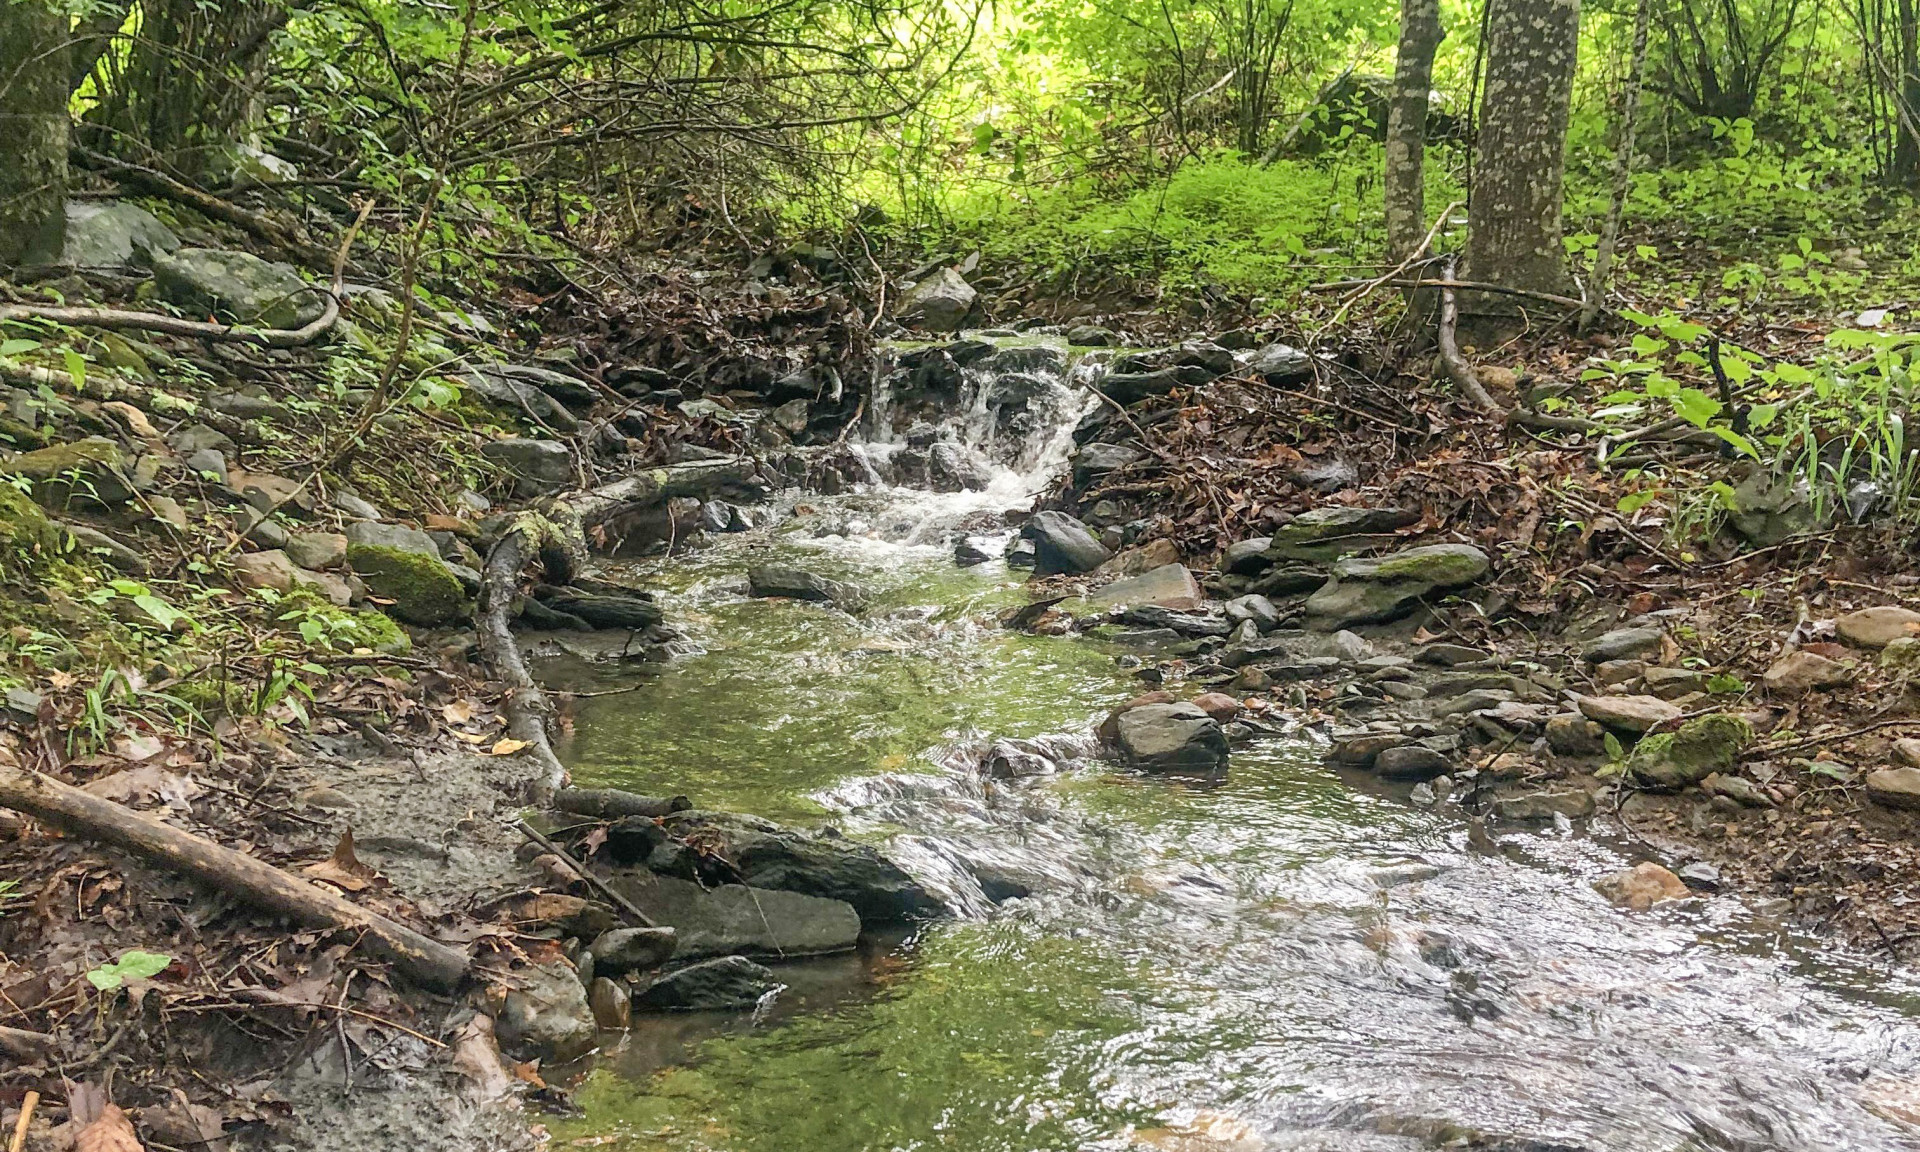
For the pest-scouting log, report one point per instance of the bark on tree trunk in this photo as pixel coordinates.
(1514, 237)
(33, 130)
(1420, 36)
(1622, 169)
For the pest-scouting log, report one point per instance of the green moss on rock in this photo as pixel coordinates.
(422, 588)
(1671, 761)
(343, 628)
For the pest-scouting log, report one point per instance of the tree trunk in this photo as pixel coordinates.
(1905, 96)
(1514, 238)
(33, 131)
(1622, 168)
(1420, 36)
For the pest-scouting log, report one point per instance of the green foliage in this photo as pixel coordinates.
(132, 965)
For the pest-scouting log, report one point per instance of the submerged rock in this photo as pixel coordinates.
(766, 855)
(725, 919)
(710, 985)
(1642, 886)
(772, 580)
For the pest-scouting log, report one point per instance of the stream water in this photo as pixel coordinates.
(1289, 959)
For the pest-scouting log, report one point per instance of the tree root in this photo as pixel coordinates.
(427, 961)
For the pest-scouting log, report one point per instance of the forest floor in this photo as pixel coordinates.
(156, 660)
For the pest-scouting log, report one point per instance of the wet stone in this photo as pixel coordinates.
(730, 982)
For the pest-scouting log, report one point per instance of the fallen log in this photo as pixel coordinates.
(555, 534)
(425, 960)
(613, 803)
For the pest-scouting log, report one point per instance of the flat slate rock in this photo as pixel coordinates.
(732, 919)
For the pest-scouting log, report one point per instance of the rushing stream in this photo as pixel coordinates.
(1290, 959)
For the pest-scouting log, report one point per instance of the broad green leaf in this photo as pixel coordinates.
(132, 965)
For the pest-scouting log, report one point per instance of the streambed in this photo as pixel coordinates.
(1284, 959)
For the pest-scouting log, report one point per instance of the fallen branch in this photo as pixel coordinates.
(613, 803)
(28, 1046)
(175, 326)
(157, 183)
(556, 536)
(580, 870)
(431, 963)
(1457, 368)
(1763, 751)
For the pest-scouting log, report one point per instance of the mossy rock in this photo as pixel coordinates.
(344, 627)
(423, 590)
(82, 472)
(1438, 565)
(1670, 761)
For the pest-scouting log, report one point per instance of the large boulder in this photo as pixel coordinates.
(88, 473)
(1767, 509)
(622, 950)
(547, 1013)
(766, 855)
(1063, 544)
(952, 468)
(1098, 459)
(940, 302)
(238, 286)
(1671, 761)
(1371, 590)
(114, 234)
(1335, 530)
(732, 918)
(1632, 714)
(1168, 586)
(1172, 737)
(497, 384)
(730, 982)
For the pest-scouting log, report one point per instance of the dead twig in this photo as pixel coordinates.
(1457, 368)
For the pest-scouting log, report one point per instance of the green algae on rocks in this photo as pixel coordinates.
(1670, 761)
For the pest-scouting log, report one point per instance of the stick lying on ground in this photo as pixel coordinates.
(427, 961)
(175, 326)
(613, 803)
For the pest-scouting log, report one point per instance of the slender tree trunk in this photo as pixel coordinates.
(190, 86)
(1520, 159)
(1622, 168)
(1420, 36)
(33, 130)
(1906, 96)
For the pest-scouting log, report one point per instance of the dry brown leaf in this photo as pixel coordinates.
(343, 869)
(508, 746)
(458, 711)
(110, 1132)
